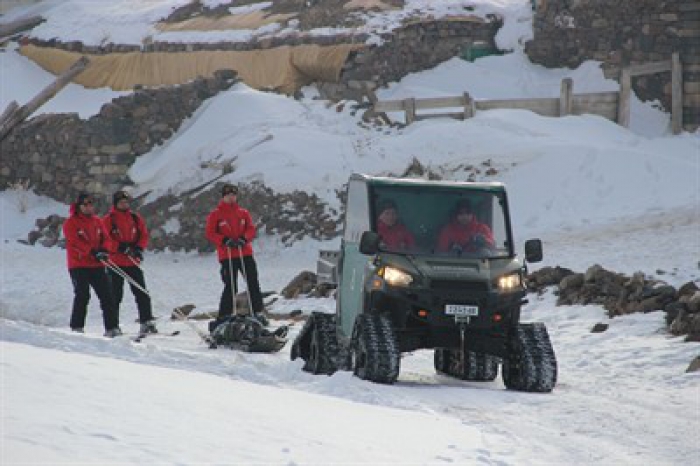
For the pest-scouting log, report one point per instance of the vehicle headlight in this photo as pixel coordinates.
(396, 277)
(510, 282)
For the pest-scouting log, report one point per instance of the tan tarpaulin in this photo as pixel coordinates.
(252, 20)
(285, 69)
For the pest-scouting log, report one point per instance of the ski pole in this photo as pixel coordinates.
(230, 276)
(119, 271)
(245, 277)
(178, 313)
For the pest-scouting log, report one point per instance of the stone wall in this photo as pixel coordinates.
(568, 32)
(258, 43)
(415, 47)
(177, 222)
(61, 154)
(620, 295)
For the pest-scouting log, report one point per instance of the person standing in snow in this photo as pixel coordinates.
(230, 228)
(128, 238)
(86, 248)
(464, 233)
(394, 234)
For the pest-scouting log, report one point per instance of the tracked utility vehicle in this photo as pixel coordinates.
(414, 279)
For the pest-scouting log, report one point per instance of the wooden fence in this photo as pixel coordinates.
(611, 105)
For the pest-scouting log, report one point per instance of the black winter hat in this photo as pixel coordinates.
(228, 188)
(464, 205)
(82, 197)
(119, 195)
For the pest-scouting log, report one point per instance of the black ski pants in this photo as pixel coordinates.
(143, 301)
(251, 276)
(96, 277)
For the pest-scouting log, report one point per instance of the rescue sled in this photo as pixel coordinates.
(245, 333)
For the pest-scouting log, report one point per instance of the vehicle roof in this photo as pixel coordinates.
(388, 181)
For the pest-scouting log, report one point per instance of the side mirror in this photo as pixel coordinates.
(533, 250)
(369, 243)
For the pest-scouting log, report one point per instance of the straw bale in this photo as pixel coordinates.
(251, 20)
(284, 69)
(368, 5)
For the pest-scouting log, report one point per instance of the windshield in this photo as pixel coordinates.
(440, 222)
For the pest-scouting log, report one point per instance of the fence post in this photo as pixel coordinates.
(468, 106)
(409, 106)
(623, 105)
(566, 102)
(676, 93)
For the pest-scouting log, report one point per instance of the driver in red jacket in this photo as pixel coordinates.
(464, 233)
(129, 237)
(394, 234)
(230, 228)
(86, 248)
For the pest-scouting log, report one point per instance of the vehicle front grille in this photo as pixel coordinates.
(459, 286)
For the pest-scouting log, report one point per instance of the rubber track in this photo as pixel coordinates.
(377, 338)
(532, 367)
(323, 332)
(467, 365)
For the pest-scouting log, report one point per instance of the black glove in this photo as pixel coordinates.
(100, 254)
(240, 242)
(136, 252)
(479, 241)
(124, 248)
(230, 242)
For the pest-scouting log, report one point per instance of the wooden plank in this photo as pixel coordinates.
(20, 25)
(410, 109)
(427, 116)
(9, 110)
(609, 97)
(468, 106)
(543, 106)
(676, 94)
(650, 68)
(691, 100)
(566, 103)
(44, 96)
(439, 102)
(623, 108)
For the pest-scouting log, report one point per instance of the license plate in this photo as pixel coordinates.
(461, 310)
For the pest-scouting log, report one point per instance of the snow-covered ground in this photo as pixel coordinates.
(134, 21)
(594, 192)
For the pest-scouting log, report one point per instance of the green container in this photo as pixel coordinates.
(477, 50)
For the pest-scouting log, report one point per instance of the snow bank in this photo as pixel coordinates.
(133, 21)
(28, 79)
(228, 421)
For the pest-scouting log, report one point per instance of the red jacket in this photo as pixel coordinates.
(456, 234)
(124, 226)
(397, 237)
(84, 234)
(230, 221)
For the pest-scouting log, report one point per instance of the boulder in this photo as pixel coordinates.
(303, 283)
(599, 327)
(694, 365)
(694, 302)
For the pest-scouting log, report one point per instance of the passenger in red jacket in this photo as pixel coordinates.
(464, 233)
(394, 234)
(230, 228)
(86, 248)
(129, 237)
